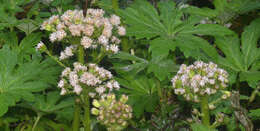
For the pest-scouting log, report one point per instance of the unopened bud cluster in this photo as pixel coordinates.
(199, 79)
(112, 113)
(92, 31)
(74, 80)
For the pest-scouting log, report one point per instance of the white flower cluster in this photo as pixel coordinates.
(68, 52)
(94, 30)
(199, 79)
(100, 79)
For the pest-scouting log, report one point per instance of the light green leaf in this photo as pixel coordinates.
(27, 26)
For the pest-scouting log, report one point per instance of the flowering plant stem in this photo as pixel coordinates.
(76, 118)
(205, 111)
(86, 120)
(37, 120)
(86, 111)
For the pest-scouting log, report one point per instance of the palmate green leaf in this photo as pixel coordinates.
(244, 60)
(230, 46)
(163, 27)
(131, 64)
(29, 42)
(225, 10)
(51, 103)
(163, 48)
(142, 93)
(194, 46)
(249, 40)
(27, 26)
(161, 67)
(19, 80)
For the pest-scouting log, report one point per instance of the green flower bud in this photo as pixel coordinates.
(94, 111)
(96, 103)
(124, 98)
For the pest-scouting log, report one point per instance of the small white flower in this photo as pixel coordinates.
(103, 40)
(61, 83)
(63, 91)
(121, 30)
(40, 45)
(115, 20)
(77, 89)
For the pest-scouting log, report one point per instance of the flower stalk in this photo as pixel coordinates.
(205, 111)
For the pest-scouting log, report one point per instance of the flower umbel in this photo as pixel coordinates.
(99, 79)
(112, 113)
(199, 79)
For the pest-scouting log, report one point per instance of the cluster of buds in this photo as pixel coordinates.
(92, 31)
(112, 113)
(198, 80)
(98, 78)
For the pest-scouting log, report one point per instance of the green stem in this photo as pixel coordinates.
(37, 121)
(86, 111)
(55, 58)
(115, 4)
(76, 117)
(81, 55)
(160, 94)
(205, 111)
(253, 95)
(86, 120)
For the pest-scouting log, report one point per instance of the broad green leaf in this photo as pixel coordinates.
(51, 103)
(250, 76)
(161, 47)
(19, 80)
(9, 38)
(27, 26)
(29, 42)
(194, 46)
(161, 67)
(208, 29)
(230, 46)
(142, 93)
(249, 40)
(163, 27)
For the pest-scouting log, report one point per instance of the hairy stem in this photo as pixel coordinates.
(205, 111)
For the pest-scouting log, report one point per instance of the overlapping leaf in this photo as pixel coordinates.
(166, 26)
(244, 59)
(225, 10)
(19, 80)
(142, 93)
